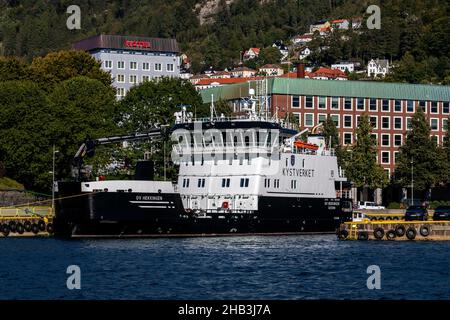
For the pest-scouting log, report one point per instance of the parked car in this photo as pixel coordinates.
(416, 213)
(367, 205)
(442, 213)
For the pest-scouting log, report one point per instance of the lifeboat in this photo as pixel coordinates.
(305, 145)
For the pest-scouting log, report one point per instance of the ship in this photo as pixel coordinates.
(250, 174)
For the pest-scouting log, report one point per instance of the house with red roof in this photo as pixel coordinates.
(340, 24)
(243, 72)
(271, 70)
(251, 53)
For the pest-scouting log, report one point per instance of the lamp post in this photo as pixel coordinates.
(412, 180)
(53, 178)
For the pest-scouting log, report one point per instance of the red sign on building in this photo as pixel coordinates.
(137, 44)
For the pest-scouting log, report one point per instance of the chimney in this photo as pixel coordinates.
(301, 70)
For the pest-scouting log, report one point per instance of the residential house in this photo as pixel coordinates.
(328, 74)
(378, 68)
(357, 23)
(210, 83)
(284, 50)
(220, 75)
(302, 39)
(271, 70)
(251, 53)
(304, 52)
(196, 78)
(320, 25)
(344, 66)
(242, 72)
(341, 24)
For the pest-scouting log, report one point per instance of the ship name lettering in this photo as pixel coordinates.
(290, 172)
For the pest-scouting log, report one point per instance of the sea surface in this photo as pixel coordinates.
(252, 267)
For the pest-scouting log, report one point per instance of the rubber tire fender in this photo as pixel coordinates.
(50, 228)
(378, 233)
(400, 230)
(411, 233)
(343, 234)
(41, 225)
(12, 226)
(5, 230)
(363, 236)
(35, 228)
(19, 228)
(424, 231)
(390, 235)
(27, 226)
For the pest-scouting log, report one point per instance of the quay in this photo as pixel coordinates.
(26, 221)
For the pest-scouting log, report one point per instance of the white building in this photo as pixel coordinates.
(344, 66)
(378, 68)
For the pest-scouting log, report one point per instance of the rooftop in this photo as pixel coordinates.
(136, 43)
(362, 89)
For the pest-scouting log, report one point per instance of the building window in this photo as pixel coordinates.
(444, 124)
(121, 78)
(335, 103)
(374, 137)
(357, 121)
(170, 67)
(309, 119)
(385, 140)
(446, 107)
(297, 118)
(374, 122)
(244, 182)
(201, 183)
(423, 105)
(396, 155)
(348, 104)
(398, 140)
(322, 102)
(347, 138)
(146, 66)
(410, 106)
(397, 106)
(293, 184)
(335, 118)
(373, 104)
(347, 121)
(120, 64)
(385, 105)
(276, 183)
(121, 92)
(295, 102)
(435, 139)
(408, 123)
(434, 124)
(145, 78)
(133, 65)
(226, 183)
(385, 122)
(108, 64)
(133, 79)
(385, 157)
(158, 67)
(398, 123)
(360, 104)
(434, 107)
(309, 102)
(322, 118)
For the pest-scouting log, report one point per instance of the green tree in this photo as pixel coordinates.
(331, 135)
(269, 55)
(62, 65)
(362, 167)
(419, 148)
(12, 68)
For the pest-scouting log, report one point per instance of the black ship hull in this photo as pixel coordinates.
(113, 214)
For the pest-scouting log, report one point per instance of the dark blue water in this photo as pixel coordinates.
(287, 267)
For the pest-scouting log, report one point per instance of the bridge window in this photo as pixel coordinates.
(185, 183)
(201, 183)
(266, 183)
(226, 183)
(276, 183)
(293, 184)
(244, 182)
